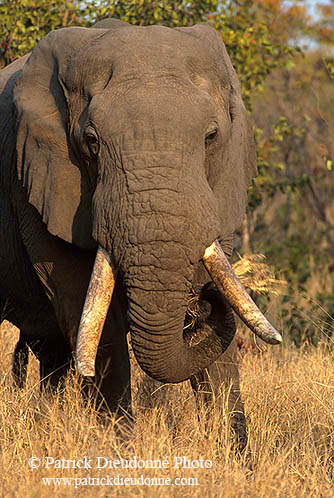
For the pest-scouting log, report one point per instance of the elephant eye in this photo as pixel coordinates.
(93, 143)
(210, 137)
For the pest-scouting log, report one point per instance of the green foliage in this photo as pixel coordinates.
(146, 12)
(273, 175)
(248, 43)
(24, 22)
(329, 64)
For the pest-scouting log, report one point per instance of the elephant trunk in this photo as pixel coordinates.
(163, 347)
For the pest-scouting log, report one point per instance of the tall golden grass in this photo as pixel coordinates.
(289, 401)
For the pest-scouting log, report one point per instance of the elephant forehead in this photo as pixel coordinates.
(158, 46)
(155, 41)
(146, 53)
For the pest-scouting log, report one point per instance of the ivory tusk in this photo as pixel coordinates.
(236, 295)
(98, 297)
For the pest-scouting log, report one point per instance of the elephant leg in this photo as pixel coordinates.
(54, 358)
(112, 380)
(218, 383)
(113, 376)
(40, 332)
(110, 389)
(20, 361)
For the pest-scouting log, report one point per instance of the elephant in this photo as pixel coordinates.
(126, 155)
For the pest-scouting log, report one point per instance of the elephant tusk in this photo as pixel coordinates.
(98, 297)
(235, 294)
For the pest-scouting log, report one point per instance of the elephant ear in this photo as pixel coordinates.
(55, 180)
(233, 173)
(46, 165)
(239, 162)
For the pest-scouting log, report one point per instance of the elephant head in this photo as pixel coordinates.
(135, 140)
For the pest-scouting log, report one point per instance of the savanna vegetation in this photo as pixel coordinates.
(289, 403)
(282, 52)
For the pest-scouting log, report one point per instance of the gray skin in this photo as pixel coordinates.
(134, 138)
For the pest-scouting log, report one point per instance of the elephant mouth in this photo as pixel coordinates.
(227, 293)
(207, 312)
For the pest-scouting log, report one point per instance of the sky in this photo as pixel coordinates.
(310, 4)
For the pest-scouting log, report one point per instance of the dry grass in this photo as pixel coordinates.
(289, 399)
(257, 276)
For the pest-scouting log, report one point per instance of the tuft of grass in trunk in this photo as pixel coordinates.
(255, 275)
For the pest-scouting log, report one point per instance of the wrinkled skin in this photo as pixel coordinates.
(136, 139)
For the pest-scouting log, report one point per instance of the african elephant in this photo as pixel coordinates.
(131, 144)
